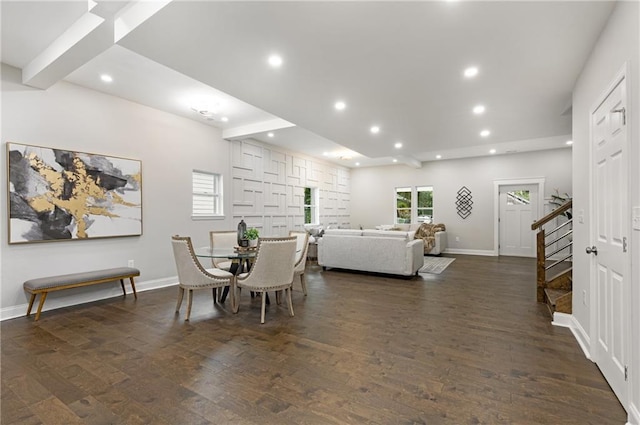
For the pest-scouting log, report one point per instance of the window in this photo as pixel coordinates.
(311, 213)
(403, 205)
(207, 194)
(425, 204)
(414, 205)
(518, 197)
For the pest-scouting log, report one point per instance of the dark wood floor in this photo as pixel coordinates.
(468, 346)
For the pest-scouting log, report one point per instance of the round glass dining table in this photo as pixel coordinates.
(239, 260)
(231, 254)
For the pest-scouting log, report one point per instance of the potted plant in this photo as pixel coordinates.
(252, 235)
(559, 200)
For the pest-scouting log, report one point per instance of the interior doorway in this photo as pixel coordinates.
(517, 204)
(609, 249)
(517, 212)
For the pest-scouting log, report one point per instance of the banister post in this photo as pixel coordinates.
(540, 269)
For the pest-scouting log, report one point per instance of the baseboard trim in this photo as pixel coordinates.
(483, 252)
(20, 310)
(582, 337)
(634, 415)
(564, 320)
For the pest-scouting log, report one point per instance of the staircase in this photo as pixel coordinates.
(554, 252)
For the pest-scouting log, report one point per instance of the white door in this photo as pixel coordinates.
(518, 209)
(609, 152)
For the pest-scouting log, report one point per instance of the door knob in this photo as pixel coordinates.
(592, 250)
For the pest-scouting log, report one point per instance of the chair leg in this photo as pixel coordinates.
(303, 282)
(180, 296)
(235, 298)
(264, 303)
(288, 291)
(278, 297)
(215, 299)
(189, 302)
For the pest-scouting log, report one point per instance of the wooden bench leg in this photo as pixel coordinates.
(133, 287)
(43, 297)
(33, 298)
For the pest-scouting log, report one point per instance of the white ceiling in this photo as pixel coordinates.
(397, 65)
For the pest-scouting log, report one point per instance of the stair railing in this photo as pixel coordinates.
(564, 239)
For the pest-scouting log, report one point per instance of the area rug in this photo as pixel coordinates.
(435, 265)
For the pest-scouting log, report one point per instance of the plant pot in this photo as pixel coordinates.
(253, 242)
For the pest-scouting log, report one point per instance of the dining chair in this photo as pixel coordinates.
(191, 274)
(223, 239)
(302, 248)
(271, 271)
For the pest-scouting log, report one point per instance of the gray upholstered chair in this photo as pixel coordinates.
(271, 271)
(192, 275)
(302, 247)
(223, 239)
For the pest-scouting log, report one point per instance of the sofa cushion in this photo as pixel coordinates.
(343, 232)
(386, 234)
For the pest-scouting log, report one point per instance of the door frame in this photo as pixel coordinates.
(623, 73)
(539, 181)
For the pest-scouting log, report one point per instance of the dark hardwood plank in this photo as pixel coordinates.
(468, 346)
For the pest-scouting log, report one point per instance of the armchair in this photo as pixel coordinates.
(192, 275)
(271, 271)
(302, 247)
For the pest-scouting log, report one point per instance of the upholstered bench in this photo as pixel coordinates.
(44, 285)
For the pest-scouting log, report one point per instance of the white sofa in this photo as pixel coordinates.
(379, 251)
(439, 237)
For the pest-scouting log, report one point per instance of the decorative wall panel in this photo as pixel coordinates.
(268, 188)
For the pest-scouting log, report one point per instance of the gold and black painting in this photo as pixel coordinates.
(57, 195)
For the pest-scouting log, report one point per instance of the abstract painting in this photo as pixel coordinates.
(57, 195)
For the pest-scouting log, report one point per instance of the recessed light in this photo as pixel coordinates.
(395, 160)
(270, 134)
(340, 105)
(224, 119)
(438, 156)
(485, 133)
(325, 153)
(106, 78)
(569, 142)
(275, 61)
(478, 109)
(398, 145)
(492, 151)
(471, 72)
(357, 164)
(375, 129)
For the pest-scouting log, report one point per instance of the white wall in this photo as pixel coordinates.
(373, 190)
(268, 188)
(170, 147)
(618, 43)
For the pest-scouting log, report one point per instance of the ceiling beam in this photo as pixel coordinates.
(86, 38)
(134, 14)
(410, 161)
(255, 128)
(97, 30)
